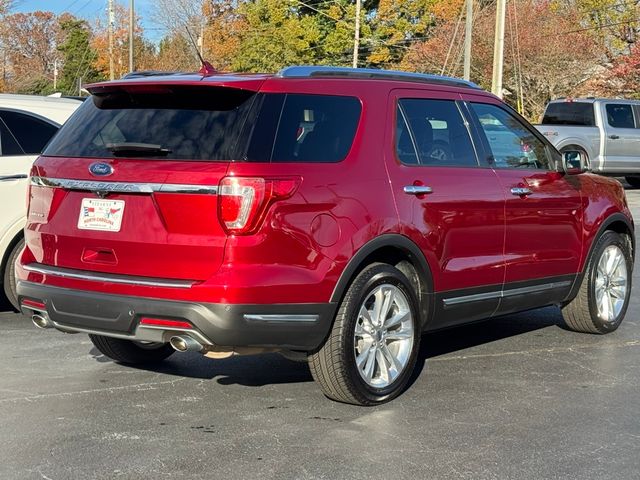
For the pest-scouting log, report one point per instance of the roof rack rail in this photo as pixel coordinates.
(149, 73)
(372, 74)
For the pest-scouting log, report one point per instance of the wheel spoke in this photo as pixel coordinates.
(397, 319)
(614, 262)
(363, 356)
(391, 360)
(366, 316)
(609, 299)
(618, 292)
(384, 365)
(378, 302)
(386, 307)
(370, 365)
(399, 335)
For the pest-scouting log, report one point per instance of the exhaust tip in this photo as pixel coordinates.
(41, 321)
(185, 343)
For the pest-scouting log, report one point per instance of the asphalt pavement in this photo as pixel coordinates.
(519, 397)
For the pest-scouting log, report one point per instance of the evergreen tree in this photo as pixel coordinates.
(78, 56)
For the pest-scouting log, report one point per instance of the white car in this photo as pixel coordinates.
(27, 123)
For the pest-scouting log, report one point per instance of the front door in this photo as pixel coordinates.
(543, 241)
(449, 205)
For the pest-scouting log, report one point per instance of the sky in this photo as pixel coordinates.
(91, 9)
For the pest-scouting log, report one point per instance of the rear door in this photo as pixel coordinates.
(451, 206)
(22, 138)
(543, 241)
(622, 137)
(129, 185)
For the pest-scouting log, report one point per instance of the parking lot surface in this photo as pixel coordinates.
(510, 398)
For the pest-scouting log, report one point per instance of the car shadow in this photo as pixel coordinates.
(269, 369)
(5, 306)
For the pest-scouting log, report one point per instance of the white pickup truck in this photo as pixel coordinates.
(606, 131)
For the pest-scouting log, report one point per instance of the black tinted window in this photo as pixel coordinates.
(569, 113)
(436, 132)
(8, 143)
(620, 116)
(512, 144)
(31, 133)
(183, 123)
(211, 123)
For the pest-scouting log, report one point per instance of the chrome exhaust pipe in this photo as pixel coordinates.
(41, 321)
(185, 343)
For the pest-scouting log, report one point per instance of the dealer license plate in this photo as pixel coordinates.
(98, 214)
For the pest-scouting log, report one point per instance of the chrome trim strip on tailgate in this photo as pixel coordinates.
(122, 187)
(107, 277)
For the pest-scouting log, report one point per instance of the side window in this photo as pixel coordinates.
(8, 144)
(31, 133)
(316, 128)
(512, 144)
(433, 133)
(620, 116)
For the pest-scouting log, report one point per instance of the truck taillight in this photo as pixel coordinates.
(243, 201)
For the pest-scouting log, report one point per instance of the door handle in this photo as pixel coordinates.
(614, 137)
(7, 178)
(520, 191)
(417, 190)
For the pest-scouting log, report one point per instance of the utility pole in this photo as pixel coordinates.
(55, 74)
(111, 22)
(356, 38)
(131, 20)
(498, 48)
(468, 33)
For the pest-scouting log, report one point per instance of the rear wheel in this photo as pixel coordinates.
(10, 274)
(127, 351)
(603, 297)
(371, 350)
(633, 181)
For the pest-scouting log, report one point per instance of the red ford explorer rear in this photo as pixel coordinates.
(248, 213)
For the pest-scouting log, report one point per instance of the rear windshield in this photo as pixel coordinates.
(569, 113)
(210, 123)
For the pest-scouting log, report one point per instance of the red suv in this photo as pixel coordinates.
(329, 214)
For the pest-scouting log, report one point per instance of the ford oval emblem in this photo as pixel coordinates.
(100, 169)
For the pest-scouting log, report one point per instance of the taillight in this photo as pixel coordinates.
(243, 201)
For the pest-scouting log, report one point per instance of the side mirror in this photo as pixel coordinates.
(574, 163)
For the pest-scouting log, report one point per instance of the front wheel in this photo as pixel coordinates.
(130, 352)
(371, 351)
(603, 298)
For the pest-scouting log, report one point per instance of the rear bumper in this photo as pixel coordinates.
(287, 326)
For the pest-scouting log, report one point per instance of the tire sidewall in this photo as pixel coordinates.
(9, 279)
(607, 239)
(391, 276)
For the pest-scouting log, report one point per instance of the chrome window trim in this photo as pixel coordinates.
(448, 302)
(122, 187)
(107, 277)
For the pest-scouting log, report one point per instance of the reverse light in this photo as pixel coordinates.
(243, 201)
(163, 322)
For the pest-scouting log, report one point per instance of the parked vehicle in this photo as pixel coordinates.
(605, 131)
(313, 212)
(27, 123)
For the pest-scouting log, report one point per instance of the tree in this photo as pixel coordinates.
(78, 56)
(29, 41)
(545, 59)
(278, 34)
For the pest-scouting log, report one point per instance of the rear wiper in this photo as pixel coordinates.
(139, 149)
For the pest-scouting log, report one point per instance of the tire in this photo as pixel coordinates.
(9, 279)
(334, 366)
(634, 182)
(590, 311)
(129, 352)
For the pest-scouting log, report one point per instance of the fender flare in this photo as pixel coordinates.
(615, 217)
(400, 242)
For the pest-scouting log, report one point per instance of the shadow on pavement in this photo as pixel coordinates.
(268, 369)
(5, 306)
